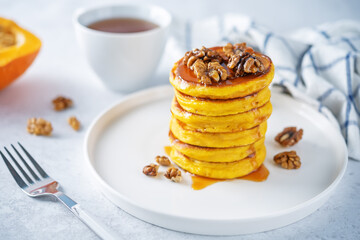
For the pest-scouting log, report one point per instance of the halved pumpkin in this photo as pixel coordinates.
(18, 49)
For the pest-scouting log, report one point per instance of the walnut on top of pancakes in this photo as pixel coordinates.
(208, 65)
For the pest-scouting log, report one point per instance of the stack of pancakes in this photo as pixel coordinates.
(217, 130)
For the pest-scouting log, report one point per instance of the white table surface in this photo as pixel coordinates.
(61, 69)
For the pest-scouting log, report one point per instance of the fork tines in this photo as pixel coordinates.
(20, 180)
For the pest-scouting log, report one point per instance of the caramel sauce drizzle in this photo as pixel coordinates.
(259, 175)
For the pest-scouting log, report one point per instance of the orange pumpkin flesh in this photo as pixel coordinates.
(15, 59)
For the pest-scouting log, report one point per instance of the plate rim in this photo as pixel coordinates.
(168, 88)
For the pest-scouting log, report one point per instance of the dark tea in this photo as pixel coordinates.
(123, 25)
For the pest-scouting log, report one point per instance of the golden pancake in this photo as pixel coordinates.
(217, 140)
(226, 170)
(215, 107)
(207, 154)
(228, 123)
(184, 80)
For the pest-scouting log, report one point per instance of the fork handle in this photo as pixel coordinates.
(101, 230)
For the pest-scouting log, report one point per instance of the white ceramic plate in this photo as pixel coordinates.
(127, 136)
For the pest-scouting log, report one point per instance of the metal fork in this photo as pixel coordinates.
(41, 184)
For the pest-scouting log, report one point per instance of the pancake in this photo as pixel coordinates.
(228, 123)
(217, 140)
(227, 170)
(215, 107)
(184, 80)
(207, 154)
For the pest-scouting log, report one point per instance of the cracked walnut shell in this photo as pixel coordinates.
(151, 170)
(39, 126)
(61, 103)
(288, 160)
(289, 136)
(162, 160)
(173, 174)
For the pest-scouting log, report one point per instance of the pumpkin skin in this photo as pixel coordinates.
(15, 59)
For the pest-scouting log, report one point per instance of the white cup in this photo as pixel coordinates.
(123, 61)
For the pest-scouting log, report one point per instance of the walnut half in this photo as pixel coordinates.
(61, 103)
(288, 160)
(39, 126)
(74, 123)
(162, 160)
(289, 136)
(216, 71)
(205, 54)
(173, 174)
(242, 59)
(206, 64)
(151, 170)
(200, 70)
(211, 71)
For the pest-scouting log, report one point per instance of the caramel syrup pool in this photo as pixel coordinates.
(259, 175)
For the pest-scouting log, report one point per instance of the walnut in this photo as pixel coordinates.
(206, 65)
(288, 160)
(216, 71)
(249, 66)
(162, 160)
(242, 59)
(39, 126)
(200, 70)
(207, 72)
(173, 174)
(7, 37)
(289, 136)
(61, 103)
(259, 65)
(205, 54)
(228, 49)
(151, 170)
(233, 61)
(74, 123)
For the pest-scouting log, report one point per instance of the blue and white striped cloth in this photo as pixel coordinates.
(319, 65)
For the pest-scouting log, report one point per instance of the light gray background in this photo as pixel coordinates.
(61, 69)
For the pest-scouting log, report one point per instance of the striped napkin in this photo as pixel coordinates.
(319, 65)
